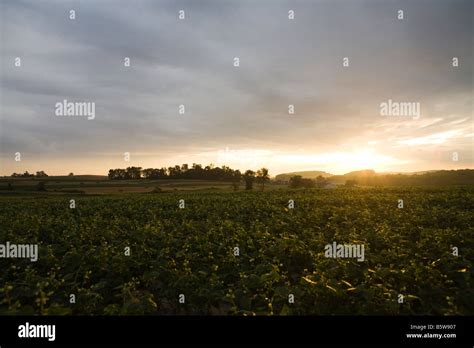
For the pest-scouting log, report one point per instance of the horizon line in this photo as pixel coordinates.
(288, 172)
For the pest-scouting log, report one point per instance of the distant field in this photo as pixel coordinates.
(191, 251)
(102, 185)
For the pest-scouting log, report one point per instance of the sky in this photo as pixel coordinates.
(236, 115)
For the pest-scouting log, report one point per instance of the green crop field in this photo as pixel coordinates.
(243, 253)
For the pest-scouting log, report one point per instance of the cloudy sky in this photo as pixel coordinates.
(236, 116)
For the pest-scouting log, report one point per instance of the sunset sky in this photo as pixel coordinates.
(237, 116)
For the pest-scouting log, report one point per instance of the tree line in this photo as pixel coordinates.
(196, 172)
(39, 174)
(297, 181)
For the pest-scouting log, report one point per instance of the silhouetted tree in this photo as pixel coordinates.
(321, 181)
(117, 174)
(262, 177)
(27, 175)
(249, 177)
(133, 173)
(297, 181)
(236, 177)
